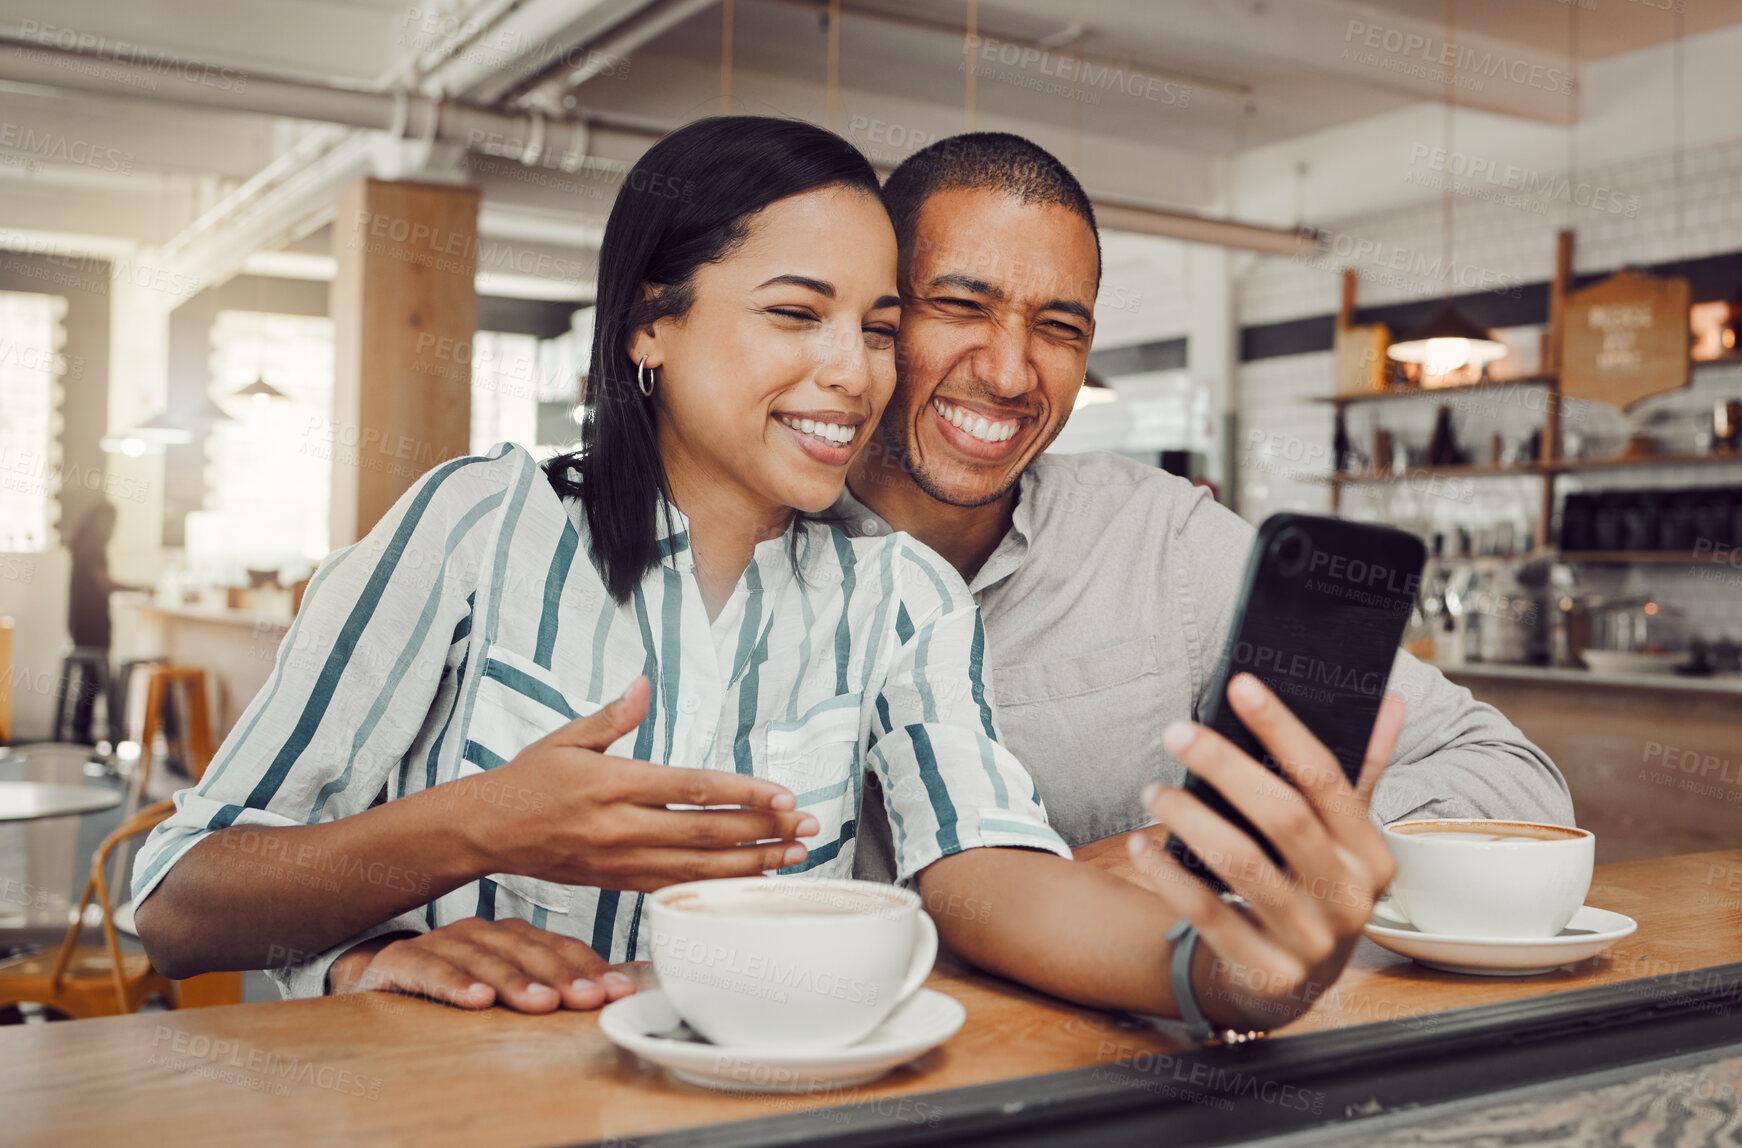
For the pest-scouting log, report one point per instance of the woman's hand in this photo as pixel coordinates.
(592, 819)
(1267, 966)
(474, 963)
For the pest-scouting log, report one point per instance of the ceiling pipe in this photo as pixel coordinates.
(553, 86)
(532, 139)
(1288, 242)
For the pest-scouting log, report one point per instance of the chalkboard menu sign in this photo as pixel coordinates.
(1626, 339)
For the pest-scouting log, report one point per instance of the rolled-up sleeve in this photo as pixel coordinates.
(948, 785)
(1458, 757)
(305, 975)
(353, 680)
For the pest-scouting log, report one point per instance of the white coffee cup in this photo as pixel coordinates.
(789, 962)
(1471, 877)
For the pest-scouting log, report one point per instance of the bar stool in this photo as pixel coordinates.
(189, 741)
(123, 692)
(92, 664)
(5, 680)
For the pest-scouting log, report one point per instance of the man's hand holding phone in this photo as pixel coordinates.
(1264, 964)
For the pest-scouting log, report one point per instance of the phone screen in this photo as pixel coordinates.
(1321, 613)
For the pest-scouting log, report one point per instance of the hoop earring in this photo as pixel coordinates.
(644, 377)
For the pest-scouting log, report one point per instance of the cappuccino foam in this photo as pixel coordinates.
(798, 902)
(1497, 831)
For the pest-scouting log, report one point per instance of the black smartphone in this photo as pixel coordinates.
(1320, 616)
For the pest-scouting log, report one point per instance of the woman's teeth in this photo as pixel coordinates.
(980, 427)
(828, 432)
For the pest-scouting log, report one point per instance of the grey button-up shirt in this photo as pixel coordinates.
(1106, 607)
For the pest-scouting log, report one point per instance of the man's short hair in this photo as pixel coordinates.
(984, 161)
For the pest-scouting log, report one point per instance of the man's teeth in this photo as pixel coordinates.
(828, 432)
(977, 425)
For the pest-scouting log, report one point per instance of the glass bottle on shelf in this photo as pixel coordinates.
(1455, 594)
(1474, 599)
(1428, 615)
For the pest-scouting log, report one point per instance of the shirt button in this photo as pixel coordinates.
(689, 705)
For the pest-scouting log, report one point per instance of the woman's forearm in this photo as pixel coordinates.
(251, 897)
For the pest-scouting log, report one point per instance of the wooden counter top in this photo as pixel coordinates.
(375, 1067)
(193, 612)
(1714, 684)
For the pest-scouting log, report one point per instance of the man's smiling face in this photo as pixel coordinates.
(998, 299)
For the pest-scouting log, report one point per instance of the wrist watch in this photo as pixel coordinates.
(1198, 1027)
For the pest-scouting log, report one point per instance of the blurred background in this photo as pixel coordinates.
(1473, 268)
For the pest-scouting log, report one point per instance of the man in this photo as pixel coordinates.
(1106, 586)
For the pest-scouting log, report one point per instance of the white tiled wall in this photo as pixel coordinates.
(1508, 244)
(1284, 438)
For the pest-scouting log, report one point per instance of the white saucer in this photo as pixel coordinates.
(1589, 932)
(646, 1024)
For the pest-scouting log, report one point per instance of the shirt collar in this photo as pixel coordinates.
(772, 556)
(671, 529)
(1006, 558)
(1012, 550)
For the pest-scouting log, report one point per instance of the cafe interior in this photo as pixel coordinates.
(1471, 269)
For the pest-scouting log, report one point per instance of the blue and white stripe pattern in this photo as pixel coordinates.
(472, 621)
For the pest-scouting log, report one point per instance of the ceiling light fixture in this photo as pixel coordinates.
(1446, 342)
(261, 392)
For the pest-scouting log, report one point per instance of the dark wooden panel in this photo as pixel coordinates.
(1713, 277)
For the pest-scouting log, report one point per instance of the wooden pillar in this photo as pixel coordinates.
(404, 314)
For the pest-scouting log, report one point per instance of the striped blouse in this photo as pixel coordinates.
(472, 621)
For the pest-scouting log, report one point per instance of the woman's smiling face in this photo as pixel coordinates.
(774, 379)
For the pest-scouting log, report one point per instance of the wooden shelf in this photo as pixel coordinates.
(1562, 466)
(1545, 471)
(1621, 556)
(1471, 471)
(1594, 557)
(1436, 392)
(1486, 384)
(1625, 462)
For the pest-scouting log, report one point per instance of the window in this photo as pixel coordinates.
(523, 390)
(268, 477)
(31, 366)
(505, 378)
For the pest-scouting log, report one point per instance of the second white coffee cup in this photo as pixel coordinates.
(1483, 878)
(789, 962)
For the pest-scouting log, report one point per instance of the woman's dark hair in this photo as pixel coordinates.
(687, 202)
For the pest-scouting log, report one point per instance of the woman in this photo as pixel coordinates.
(434, 782)
(88, 625)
